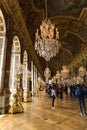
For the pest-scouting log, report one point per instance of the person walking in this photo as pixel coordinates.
(80, 94)
(60, 92)
(53, 95)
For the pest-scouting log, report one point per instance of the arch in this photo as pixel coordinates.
(66, 50)
(3, 46)
(25, 57)
(16, 44)
(15, 58)
(2, 23)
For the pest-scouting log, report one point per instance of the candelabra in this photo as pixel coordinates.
(28, 93)
(47, 74)
(65, 72)
(82, 71)
(58, 77)
(38, 86)
(17, 106)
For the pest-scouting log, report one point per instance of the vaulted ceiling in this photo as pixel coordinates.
(66, 16)
(69, 16)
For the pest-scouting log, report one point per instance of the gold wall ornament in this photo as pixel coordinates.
(17, 106)
(37, 88)
(21, 89)
(28, 97)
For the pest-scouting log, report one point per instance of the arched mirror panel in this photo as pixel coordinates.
(3, 46)
(15, 59)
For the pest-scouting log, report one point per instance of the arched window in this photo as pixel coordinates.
(3, 46)
(25, 68)
(15, 58)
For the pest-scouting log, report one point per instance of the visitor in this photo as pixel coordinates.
(53, 96)
(79, 93)
(60, 92)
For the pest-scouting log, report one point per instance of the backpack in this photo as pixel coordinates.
(78, 92)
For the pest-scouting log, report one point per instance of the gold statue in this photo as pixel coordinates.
(28, 97)
(17, 106)
(37, 88)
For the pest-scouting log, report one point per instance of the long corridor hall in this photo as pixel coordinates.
(65, 116)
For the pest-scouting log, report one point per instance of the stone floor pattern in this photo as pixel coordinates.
(65, 116)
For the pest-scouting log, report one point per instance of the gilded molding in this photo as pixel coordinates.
(82, 55)
(58, 19)
(68, 52)
(36, 9)
(40, 11)
(74, 29)
(83, 16)
(70, 31)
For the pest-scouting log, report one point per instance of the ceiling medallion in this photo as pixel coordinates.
(47, 42)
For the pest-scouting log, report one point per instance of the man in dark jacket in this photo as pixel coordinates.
(80, 94)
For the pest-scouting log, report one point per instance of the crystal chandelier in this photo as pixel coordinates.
(47, 39)
(58, 75)
(65, 72)
(47, 73)
(82, 71)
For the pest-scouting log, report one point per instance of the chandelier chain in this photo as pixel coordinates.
(46, 8)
